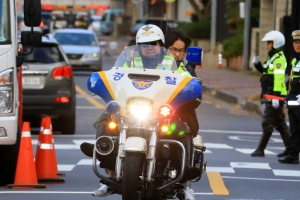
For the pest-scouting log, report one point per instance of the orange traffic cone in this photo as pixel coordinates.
(220, 61)
(58, 173)
(25, 176)
(40, 138)
(46, 164)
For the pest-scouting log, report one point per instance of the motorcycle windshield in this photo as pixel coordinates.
(146, 57)
(154, 80)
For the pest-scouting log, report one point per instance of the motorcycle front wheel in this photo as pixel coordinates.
(131, 172)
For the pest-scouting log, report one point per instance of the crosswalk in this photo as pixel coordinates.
(212, 148)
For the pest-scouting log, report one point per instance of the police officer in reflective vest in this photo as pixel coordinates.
(148, 37)
(272, 83)
(291, 153)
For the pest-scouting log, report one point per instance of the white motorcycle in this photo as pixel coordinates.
(142, 99)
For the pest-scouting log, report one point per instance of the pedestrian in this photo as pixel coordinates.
(291, 153)
(177, 42)
(272, 83)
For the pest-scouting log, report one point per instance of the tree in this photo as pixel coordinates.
(202, 8)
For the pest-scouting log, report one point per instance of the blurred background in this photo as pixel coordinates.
(233, 28)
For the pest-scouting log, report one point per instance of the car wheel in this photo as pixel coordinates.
(68, 124)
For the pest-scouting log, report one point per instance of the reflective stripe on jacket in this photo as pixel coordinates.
(273, 78)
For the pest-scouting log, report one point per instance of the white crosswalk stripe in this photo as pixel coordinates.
(210, 148)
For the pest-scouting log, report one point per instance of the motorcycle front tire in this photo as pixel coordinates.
(131, 172)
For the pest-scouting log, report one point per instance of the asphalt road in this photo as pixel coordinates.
(229, 133)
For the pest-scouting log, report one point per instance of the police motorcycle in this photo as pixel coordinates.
(142, 101)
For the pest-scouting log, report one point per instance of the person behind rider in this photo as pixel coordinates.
(149, 38)
(177, 42)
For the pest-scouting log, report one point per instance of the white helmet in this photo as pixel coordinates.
(149, 33)
(277, 38)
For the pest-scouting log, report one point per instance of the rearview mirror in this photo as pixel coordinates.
(29, 38)
(32, 12)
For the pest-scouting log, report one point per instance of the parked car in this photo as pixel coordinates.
(48, 86)
(164, 24)
(82, 48)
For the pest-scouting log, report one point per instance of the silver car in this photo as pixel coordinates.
(48, 86)
(82, 48)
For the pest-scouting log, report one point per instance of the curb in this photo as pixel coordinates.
(229, 97)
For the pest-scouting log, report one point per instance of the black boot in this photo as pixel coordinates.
(190, 173)
(289, 159)
(258, 153)
(283, 154)
(87, 149)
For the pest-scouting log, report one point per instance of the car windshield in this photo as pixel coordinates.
(4, 22)
(44, 54)
(81, 39)
(146, 56)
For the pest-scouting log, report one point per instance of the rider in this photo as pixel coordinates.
(150, 38)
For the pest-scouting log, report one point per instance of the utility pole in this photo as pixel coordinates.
(213, 34)
(246, 34)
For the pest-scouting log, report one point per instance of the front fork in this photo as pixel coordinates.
(150, 155)
(121, 154)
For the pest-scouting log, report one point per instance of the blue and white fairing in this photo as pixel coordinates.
(157, 86)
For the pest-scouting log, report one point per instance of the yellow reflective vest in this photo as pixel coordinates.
(165, 65)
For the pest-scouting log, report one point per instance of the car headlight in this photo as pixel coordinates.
(6, 91)
(92, 55)
(139, 108)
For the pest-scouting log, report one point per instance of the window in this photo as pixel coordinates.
(76, 39)
(44, 54)
(4, 22)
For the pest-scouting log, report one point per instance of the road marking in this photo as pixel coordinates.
(233, 132)
(293, 173)
(249, 151)
(250, 165)
(85, 162)
(65, 167)
(220, 169)
(216, 183)
(90, 99)
(261, 179)
(217, 146)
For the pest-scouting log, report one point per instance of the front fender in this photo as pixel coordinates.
(135, 144)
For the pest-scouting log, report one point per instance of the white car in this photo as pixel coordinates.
(95, 24)
(82, 48)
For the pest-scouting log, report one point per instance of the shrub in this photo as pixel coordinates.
(196, 30)
(233, 47)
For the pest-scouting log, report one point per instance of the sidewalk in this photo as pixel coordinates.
(236, 87)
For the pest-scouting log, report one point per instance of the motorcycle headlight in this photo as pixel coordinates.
(139, 108)
(92, 55)
(6, 91)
